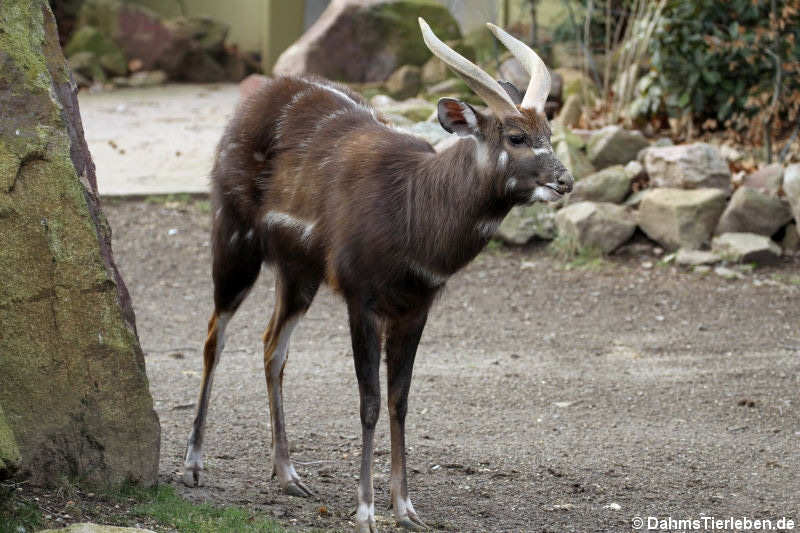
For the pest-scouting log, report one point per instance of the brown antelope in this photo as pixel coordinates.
(309, 179)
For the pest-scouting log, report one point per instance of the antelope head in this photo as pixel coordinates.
(513, 136)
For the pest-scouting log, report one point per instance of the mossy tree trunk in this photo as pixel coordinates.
(74, 398)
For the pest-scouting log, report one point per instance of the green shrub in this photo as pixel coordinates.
(717, 61)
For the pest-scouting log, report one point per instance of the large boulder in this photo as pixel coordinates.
(74, 395)
(525, 223)
(686, 166)
(791, 186)
(611, 184)
(746, 248)
(600, 226)
(366, 40)
(752, 211)
(614, 145)
(183, 47)
(677, 218)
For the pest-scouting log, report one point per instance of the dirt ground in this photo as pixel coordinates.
(544, 398)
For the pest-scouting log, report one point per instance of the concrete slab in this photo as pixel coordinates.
(157, 140)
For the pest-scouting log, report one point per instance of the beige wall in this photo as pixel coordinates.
(247, 19)
(267, 26)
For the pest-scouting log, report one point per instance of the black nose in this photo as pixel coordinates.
(565, 181)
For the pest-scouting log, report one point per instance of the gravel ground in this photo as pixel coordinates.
(544, 398)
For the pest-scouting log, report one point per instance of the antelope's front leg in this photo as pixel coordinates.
(367, 358)
(401, 349)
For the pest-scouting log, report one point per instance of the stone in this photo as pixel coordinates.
(571, 111)
(791, 187)
(405, 82)
(687, 166)
(753, 211)
(611, 184)
(677, 218)
(209, 33)
(414, 109)
(511, 70)
(453, 86)
(599, 226)
(88, 527)
(746, 248)
(614, 145)
(791, 240)
(634, 169)
(635, 199)
(88, 50)
(767, 179)
(74, 391)
(730, 153)
(434, 71)
(86, 65)
(696, 257)
(186, 48)
(525, 223)
(200, 67)
(727, 273)
(366, 40)
(574, 159)
(144, 78)
(574, 81)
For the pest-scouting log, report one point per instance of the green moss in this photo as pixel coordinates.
(397, 21)
(106, 54)
(22, 36)
(9, 452)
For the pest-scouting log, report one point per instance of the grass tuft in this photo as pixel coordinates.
(567, 249)
(15, 515)
(164, 506)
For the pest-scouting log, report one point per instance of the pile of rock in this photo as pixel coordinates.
(681, 197)
(131, 45)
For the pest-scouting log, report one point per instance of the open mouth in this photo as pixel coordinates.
(555, 188)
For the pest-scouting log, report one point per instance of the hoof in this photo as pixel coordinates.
(191, 476)
(410, 525)
(296, 488)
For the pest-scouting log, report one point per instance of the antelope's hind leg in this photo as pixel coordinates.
(292, 298)
(232, 281)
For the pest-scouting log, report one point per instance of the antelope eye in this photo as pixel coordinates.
(516, 140)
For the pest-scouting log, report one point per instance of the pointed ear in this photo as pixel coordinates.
(457, 117)
(512, 91)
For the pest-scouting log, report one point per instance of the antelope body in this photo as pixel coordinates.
(310, 179)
